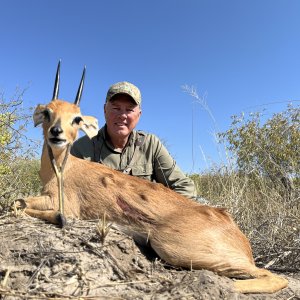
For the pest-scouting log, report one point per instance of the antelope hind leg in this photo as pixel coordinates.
(264, 282)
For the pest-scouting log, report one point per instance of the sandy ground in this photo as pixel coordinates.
(42, 261)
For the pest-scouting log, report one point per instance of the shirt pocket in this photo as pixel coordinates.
(144, 171)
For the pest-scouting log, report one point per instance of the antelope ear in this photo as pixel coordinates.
(39, 115)
(89, 125)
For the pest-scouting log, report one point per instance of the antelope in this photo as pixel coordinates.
(182, 232)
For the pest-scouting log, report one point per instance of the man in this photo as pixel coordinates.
(119, 146)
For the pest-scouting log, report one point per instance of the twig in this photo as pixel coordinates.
(36, 272)
(276, 259)
(52, 295)
(116, 266)
(120, 283)
(4, 281)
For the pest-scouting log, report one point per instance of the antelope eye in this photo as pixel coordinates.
(77, 120)
(46, 115)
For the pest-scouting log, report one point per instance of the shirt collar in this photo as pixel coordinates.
(130, 142)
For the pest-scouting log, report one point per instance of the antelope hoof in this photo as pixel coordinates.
(61, 221)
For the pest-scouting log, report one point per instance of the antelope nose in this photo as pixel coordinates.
(56, 131)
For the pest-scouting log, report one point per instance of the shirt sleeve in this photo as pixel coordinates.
(167, 172)
(75, 150)
(83, 148)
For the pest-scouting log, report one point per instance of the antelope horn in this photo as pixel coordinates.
(56, 84)
(79, 92)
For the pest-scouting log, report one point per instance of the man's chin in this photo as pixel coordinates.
(122, 131)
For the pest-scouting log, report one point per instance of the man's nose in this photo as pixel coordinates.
(122, 114)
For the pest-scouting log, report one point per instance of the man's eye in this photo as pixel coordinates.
(77, 120)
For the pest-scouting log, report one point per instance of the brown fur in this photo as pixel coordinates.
(181, 231)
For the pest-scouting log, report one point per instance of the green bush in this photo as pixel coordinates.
(269, 150)
(18, 168)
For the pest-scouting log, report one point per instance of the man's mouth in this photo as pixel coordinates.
(120, 124)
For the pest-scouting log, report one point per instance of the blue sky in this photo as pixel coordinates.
(242, 55)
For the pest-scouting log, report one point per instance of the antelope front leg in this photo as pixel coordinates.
(50, 216)
(38, 203)
(41, 207)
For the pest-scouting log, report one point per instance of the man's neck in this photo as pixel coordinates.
(117, 143)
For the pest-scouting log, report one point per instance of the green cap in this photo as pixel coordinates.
(125, 87)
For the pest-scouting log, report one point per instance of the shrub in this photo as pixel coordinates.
(18, 168)
(270, 150)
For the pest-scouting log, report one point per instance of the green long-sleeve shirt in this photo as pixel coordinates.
(152, 160)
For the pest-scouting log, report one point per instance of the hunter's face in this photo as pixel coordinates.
(122, 115)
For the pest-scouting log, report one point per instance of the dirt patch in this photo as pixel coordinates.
(41, 261)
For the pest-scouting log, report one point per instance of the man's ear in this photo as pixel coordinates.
(39, 115)
(89, 125)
